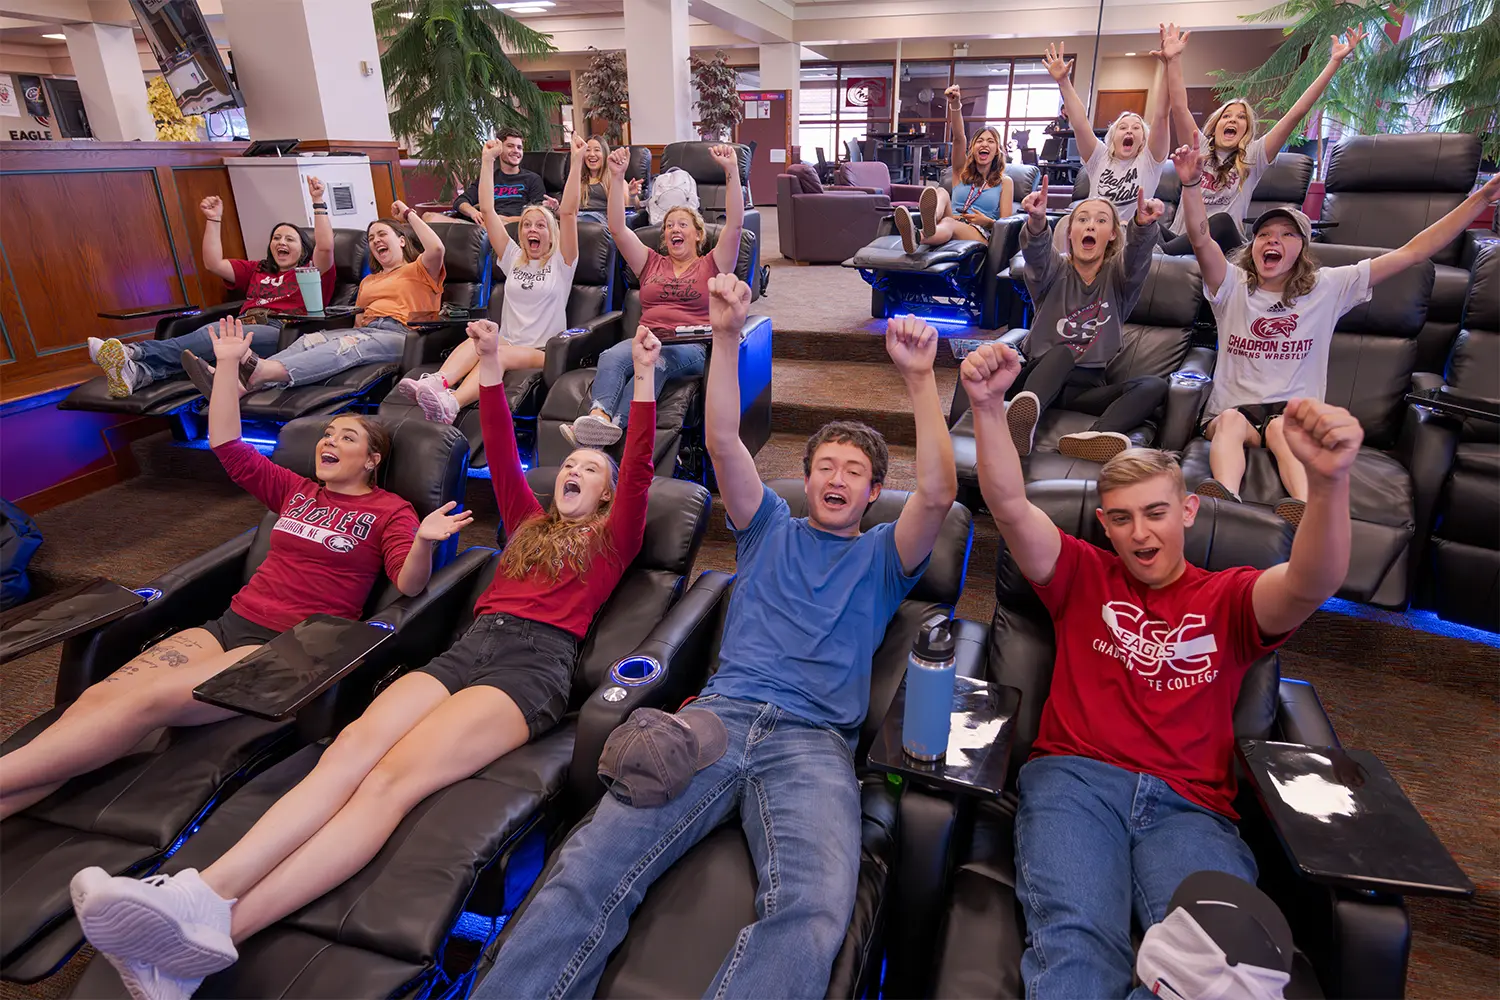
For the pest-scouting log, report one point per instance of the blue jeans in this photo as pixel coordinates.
(613, 380)
(163, 358)
(314, 357)
(1096, 844)
(791, 784)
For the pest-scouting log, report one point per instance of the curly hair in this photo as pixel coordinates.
(1299, 282)
(548, 542)
(269, 265)
(864, 437)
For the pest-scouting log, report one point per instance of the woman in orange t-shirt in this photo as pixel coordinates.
(406, 277)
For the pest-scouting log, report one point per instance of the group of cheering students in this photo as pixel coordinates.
(1274, 306)
(1131, 781)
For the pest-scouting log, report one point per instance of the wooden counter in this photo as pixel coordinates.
(88, 226)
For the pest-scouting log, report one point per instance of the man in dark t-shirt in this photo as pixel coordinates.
(515, 187)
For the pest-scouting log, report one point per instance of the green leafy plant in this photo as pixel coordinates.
(719, 106)
(606, 93)
(451, 82)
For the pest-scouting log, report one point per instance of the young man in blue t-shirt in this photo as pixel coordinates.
(812, 600)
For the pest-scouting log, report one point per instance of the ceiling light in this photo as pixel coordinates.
(1130, 53)
(60, 38)
(520, 4)
(527, 8)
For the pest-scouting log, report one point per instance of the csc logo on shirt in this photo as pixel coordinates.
(1274, 327)
(340, 543)
(1146, 645)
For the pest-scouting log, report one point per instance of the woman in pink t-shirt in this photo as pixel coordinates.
(674, 292)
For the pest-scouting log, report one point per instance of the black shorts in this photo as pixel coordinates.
(529, 661)
(1259, 415)
(232, 631)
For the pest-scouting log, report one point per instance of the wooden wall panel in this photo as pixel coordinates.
(193, 185)
(385, 186)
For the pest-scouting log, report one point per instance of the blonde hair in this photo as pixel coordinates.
(1241, 162)
(1109, 135)
(1136, 465)
(602, 177)
(553, 235)
(1299, 282)
(697, 224)
(1116, 244)
(548, 542)
(969, 173)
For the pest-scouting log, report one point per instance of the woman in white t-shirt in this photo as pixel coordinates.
(1276, 310)
(1236, 158)
(539, 266)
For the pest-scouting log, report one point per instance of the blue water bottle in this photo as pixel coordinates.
(929, 692)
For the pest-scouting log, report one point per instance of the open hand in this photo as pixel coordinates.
(485, 334)
(1341, 49)
(1188, 160)
(726, 157)
(987, 372)
(316, 188)
(1035, 203)
(230, 343)
(911, 343)
(645, 349)
(1173, 42)
(728, 301)
(439, 526)
(491, 149)
(1147, 210)
(1056, 65)
(1324, 438)
(633, 188)
(619, 159)
(212, 208)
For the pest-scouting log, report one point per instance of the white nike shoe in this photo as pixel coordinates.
(174, 923)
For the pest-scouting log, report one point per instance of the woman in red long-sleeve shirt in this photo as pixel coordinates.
(503, 683)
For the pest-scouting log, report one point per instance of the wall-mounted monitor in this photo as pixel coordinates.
(187, 54)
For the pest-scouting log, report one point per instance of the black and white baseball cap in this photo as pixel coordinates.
(1223, 939)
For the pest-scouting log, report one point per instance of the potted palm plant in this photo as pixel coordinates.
(606, 93)
(451, 82)
(719, 106)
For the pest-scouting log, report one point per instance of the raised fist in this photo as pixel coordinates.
(726, 157)
(212, 208)
(580, 146)
(485, 334)
(619, 159)
(1323, 437)
(316, 188)
(491, 149)
(987, 372)
(645, 349)
(911, 343)
(728, 301)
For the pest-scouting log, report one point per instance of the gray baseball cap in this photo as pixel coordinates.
(652, 757)
(1295, 216)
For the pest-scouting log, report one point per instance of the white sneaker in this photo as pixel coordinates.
(1093, 446)
(408, 386)
(1021, 416)
(121, 374)
(146, 982)
(174, 923)
(566, 430)
(438, 403)
(595, 432)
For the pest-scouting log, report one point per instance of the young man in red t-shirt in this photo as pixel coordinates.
(1131, 780)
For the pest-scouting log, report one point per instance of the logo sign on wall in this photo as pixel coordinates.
(865, 92)
(9, 106)
(39, 125)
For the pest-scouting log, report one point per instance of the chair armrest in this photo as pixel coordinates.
(666, 668)
(851, 187)
(906, 192)
(1425, 448)
(430, 344)
(146, 313)
(1421, 381)
(191, 594)
(1013, 338)
(191, 319)
(999, 292)
(971, 648)
(1187, 392)
(569, 351)
(1300, 717)
(56, 617)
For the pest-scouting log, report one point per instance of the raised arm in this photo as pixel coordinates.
(627, 242)
(1073, 106)
(212, 208)
(567, 210)
(1436, 236)
(912, 345)
(1159, 144)
(727, 249)
(1173, 43)
(1325, 439)
(1278, 134)
(1029, 533)
(322, 256)
(489, 218)
(436, 527)
(627, 515)
(432, 247)
(1141, 238)
(513, 496)
(1189, 162)
(230, 347)
(1041, 259)
(954, 97)
(739, 481)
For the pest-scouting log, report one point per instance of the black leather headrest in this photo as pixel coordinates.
(1397, 306)
(1081, 186)
(943, 579)
(596, 254)
(350, 252)
(1482, 304)
(639, 168)
(426, 466)
(1172, 294)
(1025, 177)
(1405, 165)
(1168, 187)
(466, 251)
(1286, 179)
(676, 514)
(700, 165)
(651, 237)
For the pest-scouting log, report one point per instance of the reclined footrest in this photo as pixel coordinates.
(887, 254)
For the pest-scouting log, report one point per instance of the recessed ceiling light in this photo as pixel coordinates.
(519, 4)
(529, 8)
(1130, 53)
(60, 38)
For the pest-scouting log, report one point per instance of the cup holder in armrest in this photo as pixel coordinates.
(633, 671)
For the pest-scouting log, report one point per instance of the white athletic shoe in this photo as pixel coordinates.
(566, 430)
(121, 374)
(174, 923)
(438, 403)
(595, 432)
(408, 386)
(94, 344)
(1021, 415)
(146, 982)
(1093, 446)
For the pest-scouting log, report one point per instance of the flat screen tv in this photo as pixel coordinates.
(186, 52)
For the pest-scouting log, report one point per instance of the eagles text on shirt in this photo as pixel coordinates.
(1146, 646)
(334, 528)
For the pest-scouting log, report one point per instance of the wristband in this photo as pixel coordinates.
(1194, 184)
(219, 219)
(320, 204)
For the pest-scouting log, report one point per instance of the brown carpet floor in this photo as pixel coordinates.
(1425, 703)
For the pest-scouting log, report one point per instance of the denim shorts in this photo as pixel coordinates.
(232, 631)
(529, 661)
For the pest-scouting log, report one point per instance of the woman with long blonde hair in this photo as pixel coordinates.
(982, 192)
(1235, 158)
(505, 682)
(596, 183)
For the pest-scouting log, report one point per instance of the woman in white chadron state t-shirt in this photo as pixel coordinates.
(1234, 158)
(538, 266)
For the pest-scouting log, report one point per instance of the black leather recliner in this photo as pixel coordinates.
(1460, 578)
(130, 816)
(690, 918)
(1283, 185)
(387, 931)
(553, 165)
(167, 396)
(1384, 189)
(679, 409)
(1157, 337)
(1349, 943)
(1395, 481)
(592, 325)
(467, 261)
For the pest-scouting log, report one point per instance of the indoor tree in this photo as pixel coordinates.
(452, 83)
(606, 93)
(719, 106)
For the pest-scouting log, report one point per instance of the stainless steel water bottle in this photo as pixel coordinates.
(929, 692)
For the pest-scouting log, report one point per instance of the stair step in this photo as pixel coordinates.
(863, 348)
(806, 394)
